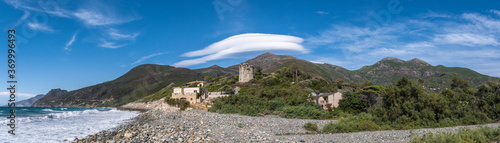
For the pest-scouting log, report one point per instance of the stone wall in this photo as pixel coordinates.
(246, 72)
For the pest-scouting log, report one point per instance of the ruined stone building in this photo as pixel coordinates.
(186, 94)
(246, 72)
(329, 99)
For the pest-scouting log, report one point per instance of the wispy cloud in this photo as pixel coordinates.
(115, 39)
(95, 18)
(114, 34)
(467, 39)
(322, 12)
(147, 57)
(70, 42)
(244, 44)
(495, 12)
(456, 40)
(90, 13)
(18, 94)
(110, 44)
(40, 27)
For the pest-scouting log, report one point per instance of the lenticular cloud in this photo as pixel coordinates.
(244, 43)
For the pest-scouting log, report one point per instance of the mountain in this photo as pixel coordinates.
(387, 70)
(52, 94)
(133, 85)
(270, 63)
(215, 71)
(146, 79)
(29, 102)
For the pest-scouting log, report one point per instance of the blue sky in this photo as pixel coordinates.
(74, 44)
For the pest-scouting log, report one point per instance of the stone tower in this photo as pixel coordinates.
(246, 72)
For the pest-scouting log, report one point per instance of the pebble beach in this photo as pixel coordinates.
(167, 124)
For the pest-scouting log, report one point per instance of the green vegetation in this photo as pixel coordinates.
(405, 105)
(158, 95)
(365, 107)
(183, 105)
(277, 93)
(310, 126)
(362, 122)
(481, 135)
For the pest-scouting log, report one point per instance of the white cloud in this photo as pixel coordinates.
(95, 18)
(90, 13)
(110, 44)
(242, 44)
(495, 11)
(39, 27)
(466, 39)
(146, 57)
(114, 34)
(70, 42)
(115, 39)
(482, 21)
(322, 12)
(315, 62)
(432, 14)
(17, 94)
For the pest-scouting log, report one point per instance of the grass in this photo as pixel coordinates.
(362, 122)
(310, 126)
(465, 135)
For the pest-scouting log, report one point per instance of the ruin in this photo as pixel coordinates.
(246, 72)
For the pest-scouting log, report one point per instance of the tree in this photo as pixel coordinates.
(207, 78)
(340, 83)
(421, 80)
(295, 69)
(458, 83)
(353, 103)
(371, 94)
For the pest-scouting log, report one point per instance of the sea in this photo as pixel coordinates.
(56, 124)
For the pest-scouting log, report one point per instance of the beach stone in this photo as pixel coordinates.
(128, 135)
(186, 126)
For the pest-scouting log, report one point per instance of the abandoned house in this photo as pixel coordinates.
(186, 94)
(329, 99)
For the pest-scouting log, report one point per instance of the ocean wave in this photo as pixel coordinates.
(48, 110)
(64, 108)
(52, 116)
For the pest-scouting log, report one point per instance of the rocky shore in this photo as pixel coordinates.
(171, 125)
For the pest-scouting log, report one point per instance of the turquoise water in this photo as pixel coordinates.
(40, 111)
(55, 124)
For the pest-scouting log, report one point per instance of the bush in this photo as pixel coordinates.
(311, 126)
(481, 135)
(178, 103)
(362, 122)
(184, 105)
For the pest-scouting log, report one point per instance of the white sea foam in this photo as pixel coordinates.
(64, 108)
(48, 110)
(56, 127)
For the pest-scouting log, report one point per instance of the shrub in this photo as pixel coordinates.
(310, 126)
(362, 122)
(481, 135)
(184, 105)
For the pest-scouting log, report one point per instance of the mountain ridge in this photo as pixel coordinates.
(146, 79)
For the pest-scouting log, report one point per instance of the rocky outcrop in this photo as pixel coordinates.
(30, 101)
(50, 98)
